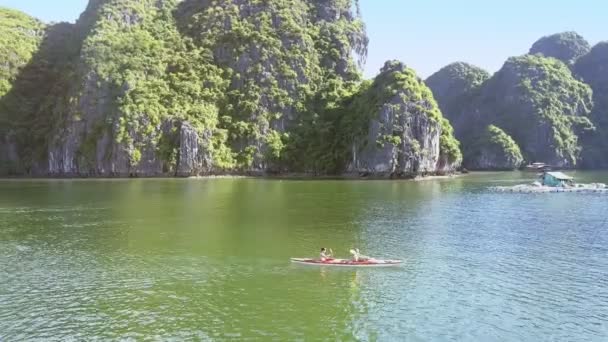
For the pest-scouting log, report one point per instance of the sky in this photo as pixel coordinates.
(429, 34)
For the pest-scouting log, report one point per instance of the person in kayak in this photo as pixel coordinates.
(325, 255)
(357, 256)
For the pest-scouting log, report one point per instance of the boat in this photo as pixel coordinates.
(537, 167)
(347, 262)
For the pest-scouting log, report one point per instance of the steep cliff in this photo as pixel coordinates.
(149, 88)
(277, 55)
(401, 129)
(593, 70)
(100, 96)
(565, 46)
(455, 87)
(538, 102)
(493, 149)
(179, 87)
(534, 98)
(20, 37)
(143, 97)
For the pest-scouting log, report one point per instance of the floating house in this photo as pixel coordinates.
(556, 179)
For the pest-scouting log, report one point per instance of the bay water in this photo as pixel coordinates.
(208, 259)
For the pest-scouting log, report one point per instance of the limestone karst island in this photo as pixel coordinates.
(186, 88)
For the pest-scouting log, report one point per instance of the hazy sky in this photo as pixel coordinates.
(428, 34)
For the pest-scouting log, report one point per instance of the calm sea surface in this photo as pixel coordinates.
(208, 259)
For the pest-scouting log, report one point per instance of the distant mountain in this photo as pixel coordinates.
(181, 88)
(565, 46)
(455, 86)
(548, 105)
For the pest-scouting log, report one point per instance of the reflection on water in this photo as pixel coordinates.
(209, 259)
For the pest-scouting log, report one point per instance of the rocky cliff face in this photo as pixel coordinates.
(542, 108)
(277, 55)
(20, 38)
(593, 70)
(455, 87)
(406, 133)
(148, 88)
(565, 46)
(493, 150)
(539, 103)
(37, 97)
(126, 97)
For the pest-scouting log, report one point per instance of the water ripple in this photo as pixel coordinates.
(479, 266)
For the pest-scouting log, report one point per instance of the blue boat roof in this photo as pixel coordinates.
(559, 175)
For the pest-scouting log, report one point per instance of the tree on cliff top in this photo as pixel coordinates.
(20, 36)
(565, 46)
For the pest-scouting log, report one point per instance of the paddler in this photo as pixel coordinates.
(326, 256)
(357, 256)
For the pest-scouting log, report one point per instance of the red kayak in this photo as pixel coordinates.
(347, 262)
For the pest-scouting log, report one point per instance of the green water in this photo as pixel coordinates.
(208, 259)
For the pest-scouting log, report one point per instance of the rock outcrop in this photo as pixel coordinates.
(406, 133)
(193, 158)
(539, 103)
(21, 37)
(128, 93)
(149, 88)
(493, 150)
(536, 101)
(455, 87)
(565, 46)
(183, 88)
(277, 55)
(9, 157)
(593, 70)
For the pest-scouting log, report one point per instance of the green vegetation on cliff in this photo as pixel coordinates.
(326, 144)
(565, 46)
(393, 81)
(278, 57)
(247, 76)
(593, 69)
(37, 104)
(152, 87)
(20, 36)
(538, 102)
(154, 75)
(493, 149)
(455, 85)
(498, 137)
(396, 80)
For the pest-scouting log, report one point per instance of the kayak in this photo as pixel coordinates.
(347, 262)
